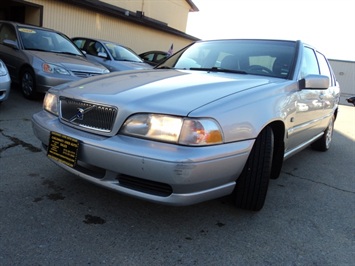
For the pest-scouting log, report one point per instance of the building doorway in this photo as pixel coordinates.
(21, 11)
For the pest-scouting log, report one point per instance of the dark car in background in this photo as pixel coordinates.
(154, 57)
(351, 100)
(39, 58)
(113, 56)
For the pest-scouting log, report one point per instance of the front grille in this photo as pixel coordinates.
(85, 74)
(145, 186)
(88, 115)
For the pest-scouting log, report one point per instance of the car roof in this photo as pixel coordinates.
(99, 40)
(17, 24)
(257, 40)
(155, 51)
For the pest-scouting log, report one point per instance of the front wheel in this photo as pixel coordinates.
(252, 184)
(323, 144)
(28, 84)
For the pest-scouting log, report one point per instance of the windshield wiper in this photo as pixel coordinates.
(69, 53)
(129, 60)
(218, 69)
(36, 49)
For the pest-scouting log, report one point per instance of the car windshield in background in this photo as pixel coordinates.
(46, 41)
(120, 53)
(268, 58)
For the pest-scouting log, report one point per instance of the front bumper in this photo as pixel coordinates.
(47, 81)
(5, 86)
(149, 170)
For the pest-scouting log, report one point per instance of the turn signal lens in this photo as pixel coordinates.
(185, 131)
(200, 132)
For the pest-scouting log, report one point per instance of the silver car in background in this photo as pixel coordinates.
(114, 56)
(216, 118)
(38, 58)
(5, 82)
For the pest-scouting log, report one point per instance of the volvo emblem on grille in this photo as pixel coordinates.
(80, 113)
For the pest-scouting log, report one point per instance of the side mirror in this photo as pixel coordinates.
(314, 82)
(351, 100)
(10, 43)
(102, 54)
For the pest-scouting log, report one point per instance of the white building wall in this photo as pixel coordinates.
(345, 74)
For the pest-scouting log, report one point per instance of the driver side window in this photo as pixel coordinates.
(309, 63)
(95, 48)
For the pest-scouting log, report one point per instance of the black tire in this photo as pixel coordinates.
(252, 184)
(323, 144)
(28, 84)
(278, 158)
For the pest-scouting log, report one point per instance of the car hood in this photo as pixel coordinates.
(69, 62)
(168, 91)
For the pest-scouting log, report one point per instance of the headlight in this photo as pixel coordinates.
(185, 131)
(51, 103)
(54, 69)
(3, 69)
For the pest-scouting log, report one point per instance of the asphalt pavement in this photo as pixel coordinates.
(50, 217)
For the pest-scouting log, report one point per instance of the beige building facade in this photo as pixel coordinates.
(142, 25)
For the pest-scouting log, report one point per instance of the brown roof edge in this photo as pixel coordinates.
(134, 17)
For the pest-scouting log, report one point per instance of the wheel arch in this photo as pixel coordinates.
(336, 113)
(28, 89)
(22, 68)
(278, 128)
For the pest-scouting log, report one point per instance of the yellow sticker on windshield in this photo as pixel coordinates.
(26, 30)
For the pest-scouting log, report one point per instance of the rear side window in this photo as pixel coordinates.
(325, 68)
(160, 57)
(309, 63)
(80, 43)
(148, 57)
(94, 48)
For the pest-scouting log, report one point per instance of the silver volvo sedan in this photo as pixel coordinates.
(217, 118)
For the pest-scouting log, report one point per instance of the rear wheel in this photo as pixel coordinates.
(28, 84)
(252, 184)
(323, 144)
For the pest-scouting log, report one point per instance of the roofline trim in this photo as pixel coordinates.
(193, 8)
(134, 17)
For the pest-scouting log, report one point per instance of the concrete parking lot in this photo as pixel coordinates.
(50, 217)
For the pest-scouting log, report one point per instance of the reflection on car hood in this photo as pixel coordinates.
(169, 91)
(70, 62)
(129, 65)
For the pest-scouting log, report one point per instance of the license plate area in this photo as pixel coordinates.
(63, 149)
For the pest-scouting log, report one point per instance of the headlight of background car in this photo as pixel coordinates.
(50, 103)
(185, 131)
(54, 69)
(3, 69)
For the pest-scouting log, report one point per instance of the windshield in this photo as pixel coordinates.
(120, 53)
(47, 41)
(258, 57)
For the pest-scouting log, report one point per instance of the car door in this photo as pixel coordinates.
(12, 55)
(309, 105)
(96, 52)
(330, 96)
